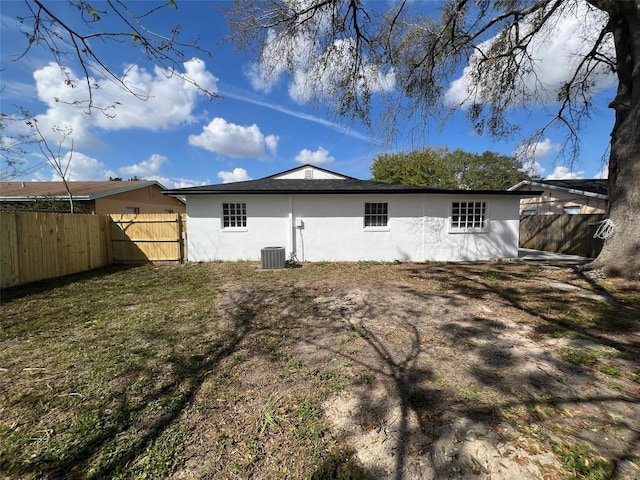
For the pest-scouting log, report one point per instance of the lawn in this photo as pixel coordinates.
(363, 370)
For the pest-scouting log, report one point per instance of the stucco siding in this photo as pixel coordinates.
(331, 227)
(207, 240)
(554, 201)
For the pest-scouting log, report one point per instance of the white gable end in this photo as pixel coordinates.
(308, 172)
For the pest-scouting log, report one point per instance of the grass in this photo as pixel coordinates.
(126, 354)
(578, 356)
(131, 372)
(580, 462)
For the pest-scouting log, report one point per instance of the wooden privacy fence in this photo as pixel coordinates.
(35, 246)
(563, 233)
(148, 237)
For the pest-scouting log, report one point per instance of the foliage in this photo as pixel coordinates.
(441, 168)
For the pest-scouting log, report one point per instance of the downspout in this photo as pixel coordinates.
(292, 230)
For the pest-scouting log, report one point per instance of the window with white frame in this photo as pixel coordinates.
(234, 215)
(572, 209)
(468, 217)
(376, 214)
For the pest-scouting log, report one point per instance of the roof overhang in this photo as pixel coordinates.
(556, 187)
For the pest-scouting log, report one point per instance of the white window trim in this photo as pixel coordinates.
(572, 209)
(379, 228)
(483, 229)
(232, 229)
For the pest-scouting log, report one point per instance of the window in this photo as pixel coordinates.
(468, 217)
(234, 215)
(168, 210)
(529, 212)
(376, 214)
(572, 209)
(135, 210)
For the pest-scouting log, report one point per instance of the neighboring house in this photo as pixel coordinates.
(90, 197)
(564, 196)
(320, 215)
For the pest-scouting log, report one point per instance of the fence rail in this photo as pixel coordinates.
(148, 237)
(563, 233)
(40, 245)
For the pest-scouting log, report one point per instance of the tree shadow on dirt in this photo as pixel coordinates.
(528, 389)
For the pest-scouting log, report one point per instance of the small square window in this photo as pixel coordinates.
(468, 217)
(572, 209)
(134, 210)
(234, 215)
(529, 212)
(376, 214)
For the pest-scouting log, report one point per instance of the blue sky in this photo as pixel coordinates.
(256, 128)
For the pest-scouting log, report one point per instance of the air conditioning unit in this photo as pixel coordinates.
(272, 257)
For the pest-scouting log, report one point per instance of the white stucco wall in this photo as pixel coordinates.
(332, 228)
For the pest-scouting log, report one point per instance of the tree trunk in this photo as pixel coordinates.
(620, 255)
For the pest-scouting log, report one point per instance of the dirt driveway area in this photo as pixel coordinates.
(402, 371)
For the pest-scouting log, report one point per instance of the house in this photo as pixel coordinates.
(317, 214)
(100, 197)
(564, 196)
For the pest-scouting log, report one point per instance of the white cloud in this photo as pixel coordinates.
(566, 37)
(234, 140)
(83, 167)
(564, 173)
(320, 156)
(146, 168)
(238, 175)
(177, 182)
(603, 172)
(323, 77)
(315, 73)
(169, 100)
(530, 155)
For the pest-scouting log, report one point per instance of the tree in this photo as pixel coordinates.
(496, 41)
(14, 147)
(54, 156)
(440, 168)
(62, 39)
(70, 42)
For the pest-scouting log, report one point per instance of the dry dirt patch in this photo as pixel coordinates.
(456, 371)
(326, 371)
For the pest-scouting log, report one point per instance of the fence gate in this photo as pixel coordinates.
(562, 233)
(148, 237)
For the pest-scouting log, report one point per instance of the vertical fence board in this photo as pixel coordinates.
(563, 233)
(37, 245)
(9, 258)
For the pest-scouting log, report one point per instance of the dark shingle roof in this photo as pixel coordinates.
(270, 185)
(593, 185)
(82, 190)
(590, 187)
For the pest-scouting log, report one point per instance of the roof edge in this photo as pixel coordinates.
(555, 187)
